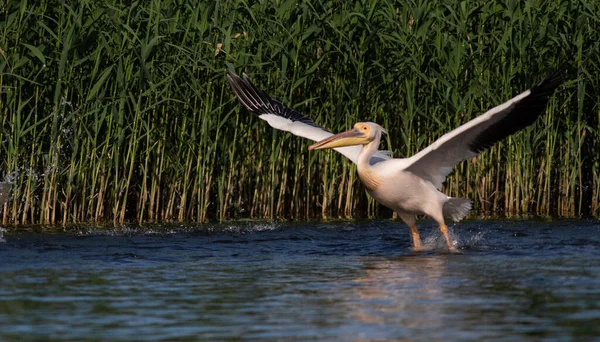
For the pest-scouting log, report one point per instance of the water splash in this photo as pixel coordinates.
(243, 229)
(6, 187)
(5, 196)
(161, 230)
(437, 242)
(476, 240)
(14, 181)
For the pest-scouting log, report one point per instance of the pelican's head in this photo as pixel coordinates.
(362, 134)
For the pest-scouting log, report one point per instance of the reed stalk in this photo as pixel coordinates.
(116, 112)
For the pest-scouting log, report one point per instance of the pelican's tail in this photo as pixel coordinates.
(457, 208)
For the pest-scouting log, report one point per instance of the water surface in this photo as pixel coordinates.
(516, 280)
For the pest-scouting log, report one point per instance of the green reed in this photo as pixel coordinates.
(121, 112)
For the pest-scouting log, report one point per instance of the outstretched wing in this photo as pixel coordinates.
(435, 162)
(280, 117)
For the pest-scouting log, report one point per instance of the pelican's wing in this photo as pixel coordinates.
(280, 117)
(435, 162)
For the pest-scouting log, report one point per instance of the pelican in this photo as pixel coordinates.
(409, 186)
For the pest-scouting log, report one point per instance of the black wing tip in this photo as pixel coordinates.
(236, 81)
(552, 80)
(258, 102)
(525, 112)
(250, 96)
(232, 76)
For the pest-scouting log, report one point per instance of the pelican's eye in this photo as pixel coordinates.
(365, 128)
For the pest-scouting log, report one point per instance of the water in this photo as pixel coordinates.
(516, 280)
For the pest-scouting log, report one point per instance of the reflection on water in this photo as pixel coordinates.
(410, 285)
(516, 280)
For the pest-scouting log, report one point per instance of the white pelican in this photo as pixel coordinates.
(409, 186)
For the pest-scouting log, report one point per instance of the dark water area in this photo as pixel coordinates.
(514, 281)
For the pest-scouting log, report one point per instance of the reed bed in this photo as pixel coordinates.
(121, 112)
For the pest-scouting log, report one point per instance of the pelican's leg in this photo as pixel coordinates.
(444, 231)
(439, 218)
(409, 219)
(414, 232)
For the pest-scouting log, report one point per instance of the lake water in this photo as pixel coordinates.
(514, 281)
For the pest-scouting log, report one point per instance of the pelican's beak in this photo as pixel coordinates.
(348, 138)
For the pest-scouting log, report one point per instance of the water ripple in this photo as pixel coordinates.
(516, 280)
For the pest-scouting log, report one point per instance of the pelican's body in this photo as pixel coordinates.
(409, 195)
(391, 183)
(409, 186)
(401, 191)
(395, 187)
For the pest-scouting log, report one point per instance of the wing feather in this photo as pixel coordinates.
(282, 118)
(435, 162)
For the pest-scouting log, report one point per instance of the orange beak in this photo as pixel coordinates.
(348, 138)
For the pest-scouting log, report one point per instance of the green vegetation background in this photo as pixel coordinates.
(117, 111)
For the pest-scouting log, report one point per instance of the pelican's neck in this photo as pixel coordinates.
(364, 168)
(367, 152)
(365, 155)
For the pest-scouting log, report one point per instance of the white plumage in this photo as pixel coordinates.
(409, 186)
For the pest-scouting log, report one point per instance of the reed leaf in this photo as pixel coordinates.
(116, 112)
